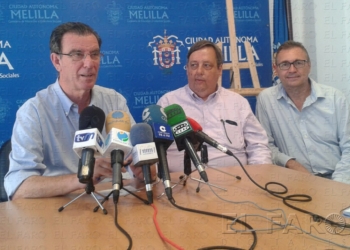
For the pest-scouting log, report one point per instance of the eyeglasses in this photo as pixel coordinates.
(206, 66)
(78, 56)
(297, 64)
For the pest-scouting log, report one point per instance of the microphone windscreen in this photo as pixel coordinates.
(194, 124)
(141, 133)
(175, 114)
(118, 119)
(92, 117)
(154, 114)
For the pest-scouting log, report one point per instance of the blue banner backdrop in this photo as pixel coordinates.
(280, 29)
(136, 36)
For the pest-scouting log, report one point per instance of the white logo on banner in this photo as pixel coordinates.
(114, 13)
(34, 13)
(5, 63)
(147, 14)
(110, 59)
(214, 13)
(247, 13)
(166, 50)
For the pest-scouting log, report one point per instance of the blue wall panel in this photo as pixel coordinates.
(132, 32)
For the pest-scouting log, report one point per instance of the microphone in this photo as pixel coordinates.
(162, 135)
(203, 137)
(144, 153)
(204, 153)
(184, 135)
(117, 145)
(88, 141)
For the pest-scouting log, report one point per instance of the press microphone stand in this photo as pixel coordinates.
(204, 159)
(187, 175)
(89, 189)
(122, 187)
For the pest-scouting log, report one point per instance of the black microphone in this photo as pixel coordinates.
(184, 135)
(204, 154)
(88, 141)
(144, 153)
(154, 116)
(187, 163)
(117, 158)
(205, 138)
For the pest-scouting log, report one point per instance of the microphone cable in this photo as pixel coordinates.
(220, 216)
(278, 224)
(293, 197)
(155, 221)
(120, 228)
(116, 217)
(123, 231)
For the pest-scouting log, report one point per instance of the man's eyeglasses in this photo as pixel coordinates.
(79, 56)
(206, 66)
(297, 64)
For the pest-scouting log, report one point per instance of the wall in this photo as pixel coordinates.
(323, 26)
(133, 34)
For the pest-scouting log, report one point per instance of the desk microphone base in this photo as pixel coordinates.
(89, 189)
(107, 197)
(206, 166)
(185, 177)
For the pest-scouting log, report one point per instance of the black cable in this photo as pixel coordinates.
(220, 216)
(293, 197)
(120, 228)
(138, 197)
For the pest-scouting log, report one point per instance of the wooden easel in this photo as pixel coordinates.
(235, 65)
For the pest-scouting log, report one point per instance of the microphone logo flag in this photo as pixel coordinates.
(123, 136)
(88, 138)
(181, 128)
(84, 137)
(162, 131)
(146, 115)
(100, 141)
(153, 113)
(118, 139)
(162, 128)
(145, 153)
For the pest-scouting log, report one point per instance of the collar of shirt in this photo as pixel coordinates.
(67, 104)
(65, 101)
(316, 93)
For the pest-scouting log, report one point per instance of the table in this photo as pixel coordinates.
(37, 224)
